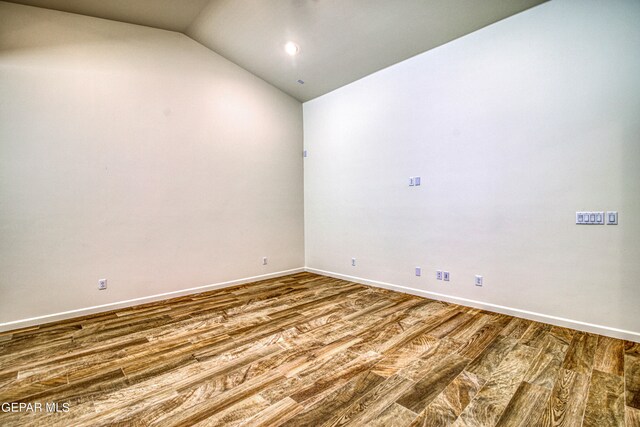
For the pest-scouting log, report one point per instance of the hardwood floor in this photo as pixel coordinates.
(308, 350)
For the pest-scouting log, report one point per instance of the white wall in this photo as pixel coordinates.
(513, 129)
(137, 155)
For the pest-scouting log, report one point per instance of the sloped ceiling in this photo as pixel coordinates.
(340, 40)
(173, 15)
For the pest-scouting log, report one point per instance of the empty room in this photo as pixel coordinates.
(320, 213)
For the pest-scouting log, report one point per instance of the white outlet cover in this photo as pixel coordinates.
(418, 271)
(478, 280)
(102, 284)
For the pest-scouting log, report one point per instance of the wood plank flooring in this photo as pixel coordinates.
(308, 350)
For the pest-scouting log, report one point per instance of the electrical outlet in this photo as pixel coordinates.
(438, 275)
(418, 271)
(445, 276)
(478, 280)
(102, 284)
(612, 218)
(353, 262)
(264, 260)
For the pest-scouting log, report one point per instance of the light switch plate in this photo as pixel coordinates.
(590, 218)
(612, 218)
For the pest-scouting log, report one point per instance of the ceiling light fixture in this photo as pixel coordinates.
(291, 48)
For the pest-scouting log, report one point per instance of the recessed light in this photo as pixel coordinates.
(291, 48)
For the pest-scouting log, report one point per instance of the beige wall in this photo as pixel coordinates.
(136, 155)
(512, 129)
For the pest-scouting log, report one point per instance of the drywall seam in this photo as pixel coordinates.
(16, 324)
(538, 317)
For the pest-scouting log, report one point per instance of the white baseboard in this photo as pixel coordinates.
(538, 317)
(23, 323)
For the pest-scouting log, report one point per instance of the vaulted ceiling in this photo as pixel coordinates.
(340, 40)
